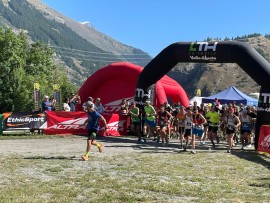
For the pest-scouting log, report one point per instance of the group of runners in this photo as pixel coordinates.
(209, 121)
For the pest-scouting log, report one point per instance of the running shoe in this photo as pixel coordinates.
(201, 144)
(193, 152)
(228, 151)
(84, 158)
(158, 139)
(100, 148)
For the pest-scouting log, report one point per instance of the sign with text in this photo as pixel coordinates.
(23, 120)
(61, 122)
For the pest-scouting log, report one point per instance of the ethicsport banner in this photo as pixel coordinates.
(61, 122)
(23, 120)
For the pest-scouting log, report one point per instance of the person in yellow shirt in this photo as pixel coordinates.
(150, 119)
(213, 118)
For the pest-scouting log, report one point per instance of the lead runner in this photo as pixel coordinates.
(93, 126)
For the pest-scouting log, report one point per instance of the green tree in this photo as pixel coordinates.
(22, 64)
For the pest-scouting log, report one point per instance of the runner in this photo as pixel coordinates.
(169, 109)
(134, 113)
(150, 120)
(198, 128)
(205, 125)
(93, 126)
(246, 129)
(213, 117)
(232, 123)
(175, 122)
(164, 118)
(180, 117)
(188, 130)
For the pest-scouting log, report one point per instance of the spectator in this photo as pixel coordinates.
(89, 99)
(53, 102)
(98, 106)
(66, 107)
(46, 104)
(74, 99)
(217, 102)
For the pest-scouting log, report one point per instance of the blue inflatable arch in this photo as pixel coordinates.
(212, 52)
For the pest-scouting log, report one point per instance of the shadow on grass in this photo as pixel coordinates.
(50, 158)
(151, 146)
(253, 156)
(263, 182)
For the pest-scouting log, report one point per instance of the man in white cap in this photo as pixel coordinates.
(93, 127)
(46, 104)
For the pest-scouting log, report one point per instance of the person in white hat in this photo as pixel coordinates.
(46, 104)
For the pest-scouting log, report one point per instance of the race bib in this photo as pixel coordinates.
(180, 123)
(189, 124)
(246, 126)
(231, 127)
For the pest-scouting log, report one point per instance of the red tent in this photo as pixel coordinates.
(118, 80)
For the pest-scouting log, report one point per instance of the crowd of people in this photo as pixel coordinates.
(213, 121)
(232, 122)
(48, 104)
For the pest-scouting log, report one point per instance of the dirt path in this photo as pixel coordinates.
(75, 146)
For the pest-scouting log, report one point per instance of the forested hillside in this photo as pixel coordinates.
(71, 48)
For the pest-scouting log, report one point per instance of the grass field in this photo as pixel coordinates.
(127, 172)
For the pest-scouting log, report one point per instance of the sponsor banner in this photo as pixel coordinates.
(37, 96)
(264, 139)
(203, 51)
(60, 122)
(115, 106)
(23, 120)
(117, 124)
(57, 97)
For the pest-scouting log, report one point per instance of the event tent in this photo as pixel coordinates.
(197, 99)
(229, 95)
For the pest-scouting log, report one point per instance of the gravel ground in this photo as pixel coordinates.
(74, 146)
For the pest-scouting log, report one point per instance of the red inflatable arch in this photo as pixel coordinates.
(119, 80)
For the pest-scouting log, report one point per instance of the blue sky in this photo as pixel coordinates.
(152, 25)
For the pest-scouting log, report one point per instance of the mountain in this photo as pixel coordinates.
(79, 47)
(82, 49)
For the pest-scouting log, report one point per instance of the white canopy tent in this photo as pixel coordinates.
(197, 99)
